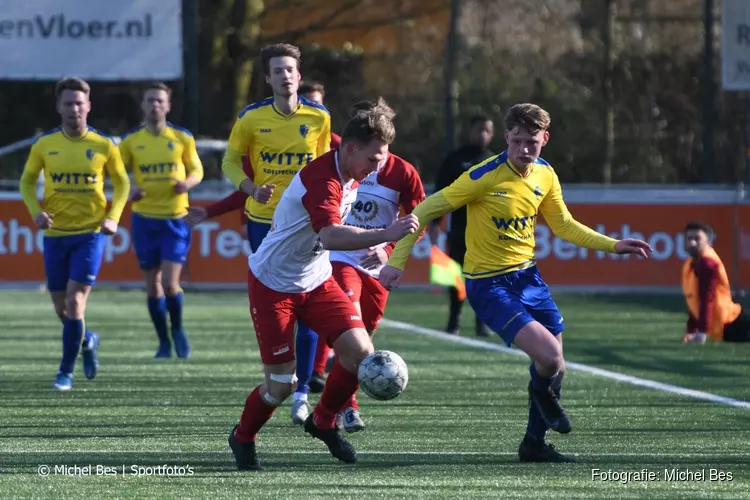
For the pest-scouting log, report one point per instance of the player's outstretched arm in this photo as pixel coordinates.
(341, 237)
(467, 188)
(433, 207)
(566, 227)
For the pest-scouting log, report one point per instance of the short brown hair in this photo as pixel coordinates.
(158, 86)
(75, 84)
(370, 120)
(279, 50)
(309, 87)
(528, 116)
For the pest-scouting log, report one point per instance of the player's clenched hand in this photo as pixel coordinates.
(390, 277)
(263, 193)
(375, 258)
(403, 226)
(196, 215)
(109, 226)
(43, 220)
(180, 187)
(637, 247)
(136, 193)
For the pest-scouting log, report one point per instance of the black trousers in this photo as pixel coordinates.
(457, 252)
(739, 329)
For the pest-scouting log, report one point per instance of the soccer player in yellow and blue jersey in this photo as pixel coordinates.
(73, 213)
(165, 166)
(281, 134)
(504, 196)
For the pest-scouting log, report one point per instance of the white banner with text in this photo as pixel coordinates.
(90, 39)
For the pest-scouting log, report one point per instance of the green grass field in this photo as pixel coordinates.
(452, 434)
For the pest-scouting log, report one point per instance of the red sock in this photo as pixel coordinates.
(321, 356)
(255, 415)
(340, 386)
(352, 403)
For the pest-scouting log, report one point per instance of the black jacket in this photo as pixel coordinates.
(454, 165)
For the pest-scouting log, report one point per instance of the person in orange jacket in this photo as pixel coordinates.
(711, 311)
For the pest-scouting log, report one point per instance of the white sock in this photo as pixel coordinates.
(300, 396)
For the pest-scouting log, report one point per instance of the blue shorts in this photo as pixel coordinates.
(256, 233)
(77, 257)
(158, 240)
(508, 302)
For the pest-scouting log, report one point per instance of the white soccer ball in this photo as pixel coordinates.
(383, 375)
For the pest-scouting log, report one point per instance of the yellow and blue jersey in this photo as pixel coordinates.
(74, 170)
(503, 206)
(278, 145)
(157, 162)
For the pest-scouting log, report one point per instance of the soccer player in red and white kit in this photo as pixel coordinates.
(394, 186)
(290, 278)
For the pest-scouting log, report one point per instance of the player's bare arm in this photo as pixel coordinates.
(343, 237)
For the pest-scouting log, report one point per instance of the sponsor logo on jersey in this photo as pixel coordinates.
(287, 158)
(72, 178)
(515, 223)
(158, 168)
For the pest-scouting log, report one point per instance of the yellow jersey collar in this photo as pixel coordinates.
(294, 111)
(515, 170)
(80, 137)
(151, 133)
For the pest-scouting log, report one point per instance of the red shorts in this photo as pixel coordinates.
(326, 310)
(362, 288)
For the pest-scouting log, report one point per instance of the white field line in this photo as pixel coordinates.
(413, 453)
(628, 379)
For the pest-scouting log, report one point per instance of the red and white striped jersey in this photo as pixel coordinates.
(381, 197)
(291, 258)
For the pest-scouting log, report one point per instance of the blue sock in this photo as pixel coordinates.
(72, 335)
(537, 381)
(157, 309)
(86, 335)
(305, 346)
(174, 306)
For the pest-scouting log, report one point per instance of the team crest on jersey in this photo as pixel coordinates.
(170, 145)
(538, 191)
(304, 130)
(89, 154)
(365, 211)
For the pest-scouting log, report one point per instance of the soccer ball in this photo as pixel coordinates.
(383, 375)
